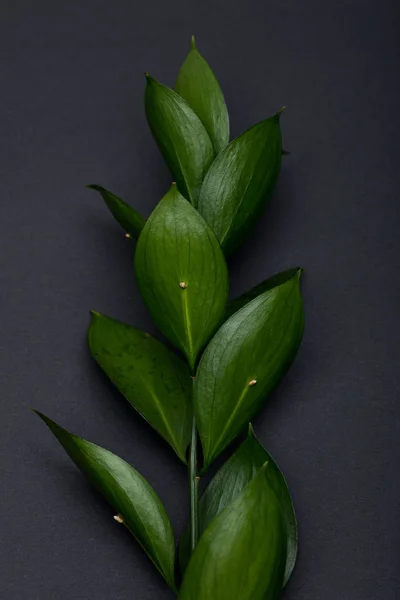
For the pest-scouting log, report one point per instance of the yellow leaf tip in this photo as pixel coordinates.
(193, 43)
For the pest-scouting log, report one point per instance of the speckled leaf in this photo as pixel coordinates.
(151, 377)
(182, 274)
(130, 495)
(240, 182)
(123, 213)
(198, 85)
(228, 484)
(181, 137)
(244, 362)
(242, 553)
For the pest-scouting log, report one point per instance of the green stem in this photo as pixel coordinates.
(194, 488)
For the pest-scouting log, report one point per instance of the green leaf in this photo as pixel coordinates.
(182, 274)
(242, 553)
(240, 182)
(228, 484)
(130, 495)
(237, 303)
(198, 85)
(181, 137)
(124, 214)
(151, 377)
(244, 362)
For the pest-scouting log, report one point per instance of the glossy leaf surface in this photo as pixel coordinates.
(238, 303)
(228, 484)
(182, 274)
(244, 362)
(242, 553)
(240, 182)
(151, 377)
(181, 137)
(129, 219)
(130, 495)
(198, 85)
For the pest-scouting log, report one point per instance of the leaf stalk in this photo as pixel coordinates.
(193, 488)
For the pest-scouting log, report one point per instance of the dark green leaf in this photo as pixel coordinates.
(130, 495)
(182, 274)
(240, 182)
(123, 213)
(244, 362)
(151, 377)
(198, 85)
(237, 303)
(229, 483)
(181, 137)
(242, 553)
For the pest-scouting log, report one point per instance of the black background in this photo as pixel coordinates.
(72, 113)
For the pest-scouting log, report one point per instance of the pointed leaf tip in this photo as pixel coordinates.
(198, 85)
(230, 481)
(261, 337)
(123, 213)
(242, 552)
(187, 319)
(250, 430)
(240, 182)
(150, 376)
(128, 492)
(181, 137)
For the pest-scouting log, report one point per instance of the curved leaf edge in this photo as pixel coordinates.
(56, 430)
(180, 452)
(127, 216)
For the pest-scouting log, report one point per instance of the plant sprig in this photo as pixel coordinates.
(241, 541)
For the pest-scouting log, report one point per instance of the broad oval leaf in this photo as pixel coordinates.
(130, 495)
(242, 553)
(151, 377)
(181, 137)
(244, 362)
(197, 84)
(240, 182)
(277, 279)
(122, 212)
(182, 274)
(228, 484)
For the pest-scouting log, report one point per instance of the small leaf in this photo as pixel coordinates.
(151, 377)
(130, 495)
(198, 85)
(181, 137)
(228, 484)
(124, 214)
(237, 303)
(244, 362)
(242, 553)
(182, 274)
(240, 182)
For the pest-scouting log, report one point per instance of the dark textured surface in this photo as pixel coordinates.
(72, 113)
